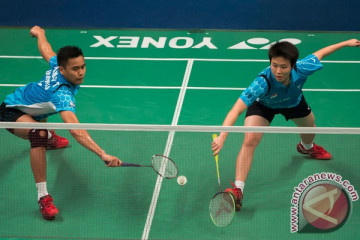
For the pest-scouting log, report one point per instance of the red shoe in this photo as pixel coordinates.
(47, 207)
(316, 152)
(237, 194)
(56, 142)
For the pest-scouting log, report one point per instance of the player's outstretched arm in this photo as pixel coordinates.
(320, 54)
(83, 137)
(43, 45)
(238, 108)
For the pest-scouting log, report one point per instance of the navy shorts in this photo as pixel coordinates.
(301, 110)
(9, 115)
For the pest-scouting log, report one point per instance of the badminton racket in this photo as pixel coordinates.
(222, 205)
(162, 165)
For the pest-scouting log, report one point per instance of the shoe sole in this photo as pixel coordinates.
(322, 158)
(50, 218)
(328, 158)
(54, 148)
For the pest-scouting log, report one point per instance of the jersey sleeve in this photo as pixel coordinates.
(64, 100)
(53, 62)
(257, 89)
(308, 65)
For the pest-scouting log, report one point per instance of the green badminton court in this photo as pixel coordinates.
(173, 78)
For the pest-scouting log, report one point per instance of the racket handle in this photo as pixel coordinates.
(216, 156)
(125, 164)
(214, 136)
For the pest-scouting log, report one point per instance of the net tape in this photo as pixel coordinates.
(180, 128)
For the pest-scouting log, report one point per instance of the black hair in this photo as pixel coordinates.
(67, 52)
(286, 50)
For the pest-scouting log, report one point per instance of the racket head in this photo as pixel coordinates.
(164, 166)
(222, 209)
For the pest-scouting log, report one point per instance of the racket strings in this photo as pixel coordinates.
(164, 166)
(222, 209)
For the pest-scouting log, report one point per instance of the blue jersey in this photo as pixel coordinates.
(44, 98)
(280, 96)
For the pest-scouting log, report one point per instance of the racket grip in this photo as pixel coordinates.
(214, 136)
(125, 164)
(216, 156)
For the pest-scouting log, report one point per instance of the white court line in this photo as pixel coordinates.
(105, 86)
(173, 59)
(189, 88)
(167, 150)
(304, 90)
(178, 59)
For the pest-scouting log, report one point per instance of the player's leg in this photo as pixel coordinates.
(251, 141)
(245, 158)
(307, 145)
(37, 155)
(302, 116)
(308, 121)
(38, 139)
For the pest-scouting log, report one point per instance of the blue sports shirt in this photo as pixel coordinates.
(279, 95)
(47, 97)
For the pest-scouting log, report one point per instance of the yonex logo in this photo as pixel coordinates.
(261, 43)
(146, 42)
(182, 42)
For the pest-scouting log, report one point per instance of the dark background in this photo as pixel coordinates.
(299, 15)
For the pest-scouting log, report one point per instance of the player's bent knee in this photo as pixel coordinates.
(38, 137)
(251, 142)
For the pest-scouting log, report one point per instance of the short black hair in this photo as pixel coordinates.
(67, 52)
(286, 50)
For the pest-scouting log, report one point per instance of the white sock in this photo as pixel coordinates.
(240, 184)
(49, 134)
(42, 190)
(307, 146)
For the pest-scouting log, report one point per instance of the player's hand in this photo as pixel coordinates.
(36, 31)
(111, 161)
(217, 145)
(353, 43)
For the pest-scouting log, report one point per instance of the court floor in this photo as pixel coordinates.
(172, 78)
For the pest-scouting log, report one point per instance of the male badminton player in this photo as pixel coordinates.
(38, 100)
(276, 90)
